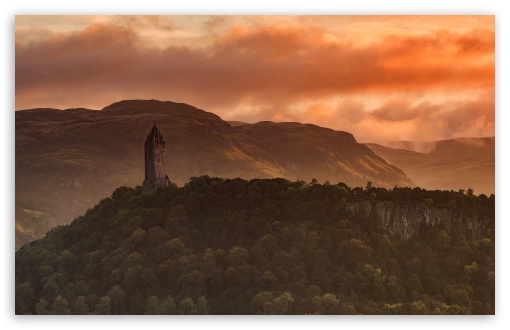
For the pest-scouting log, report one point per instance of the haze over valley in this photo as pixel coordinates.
(452, 164)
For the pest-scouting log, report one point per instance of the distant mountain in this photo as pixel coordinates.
(452, 164)
(67, 160)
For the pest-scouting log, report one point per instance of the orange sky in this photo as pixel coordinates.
(379, 77)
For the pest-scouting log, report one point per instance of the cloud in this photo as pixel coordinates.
(152, 22)
(392, 121)
(272, 68)
(216, 22)
(399, 110)
(430, 121)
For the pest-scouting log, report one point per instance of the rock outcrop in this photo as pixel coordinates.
(406, 219)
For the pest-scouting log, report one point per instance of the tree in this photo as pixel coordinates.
(461, 297)
(259, 300)
(352, 252)
(192, 284)
(280, 305)
(395, 290)
(60, 306)
(152, 307)
(136, 303)
(237, 256)
(379, 291)
(452, 204)
(79, 306)
(41, 308)
(392, 309)
(167, 306)
(92, 301)
(67, 260)
(176, 217)
(175, 248)
(117, 300)
(24, 297)
(50, 289)
(202, 306)
(103, 307)
(414, 283)
(131, 278)
(368, 186)
(148, 279)
(328, 304)
(187, 307)
(138, 237)
(418, 308)
(415, 265)
(443, 240)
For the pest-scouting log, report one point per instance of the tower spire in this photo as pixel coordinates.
(154, 161)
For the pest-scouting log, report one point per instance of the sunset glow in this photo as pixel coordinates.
(381, 78)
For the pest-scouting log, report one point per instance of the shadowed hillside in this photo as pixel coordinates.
(68, 160)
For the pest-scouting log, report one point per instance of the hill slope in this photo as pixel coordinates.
(446, 165)
(68, 160)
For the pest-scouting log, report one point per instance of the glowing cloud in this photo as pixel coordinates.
(379, 77)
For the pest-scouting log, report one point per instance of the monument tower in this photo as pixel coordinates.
(154, 161)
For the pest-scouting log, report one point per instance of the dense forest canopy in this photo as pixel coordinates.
(265, 246)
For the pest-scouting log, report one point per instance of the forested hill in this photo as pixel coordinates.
(266, 246)
(67, 160)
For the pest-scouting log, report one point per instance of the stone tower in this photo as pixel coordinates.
(154, 161)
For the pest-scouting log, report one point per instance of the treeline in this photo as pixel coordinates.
(265, 246)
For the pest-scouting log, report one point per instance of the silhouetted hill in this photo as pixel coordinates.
(68, 160)
(447, 164)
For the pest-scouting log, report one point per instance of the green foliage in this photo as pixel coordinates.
(187, 307)
(41, 308)
(79, 306)
(103, 307)
(327, 304)
(220, 246)
(60, 306)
